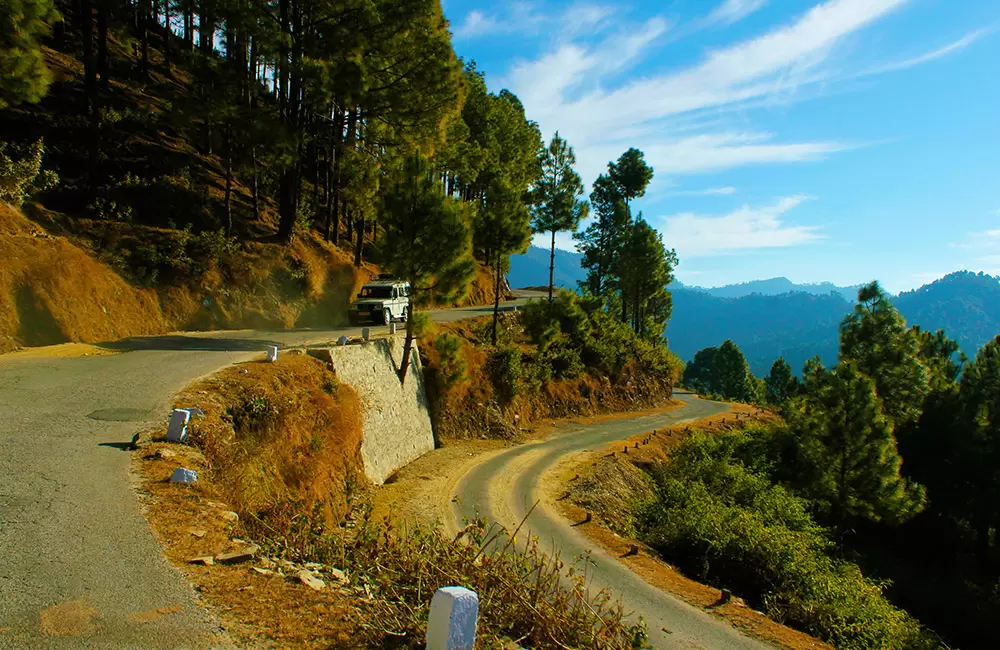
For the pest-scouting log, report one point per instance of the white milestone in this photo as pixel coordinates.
(177, 429)
(272, 353)
(453, 618)
(183, 475)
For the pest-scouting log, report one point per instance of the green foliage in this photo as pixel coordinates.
(505, 370)
(780, 384)
(24, 77)
(875, 338)
(557, 206)
(21, 172)
(600, 243)
(577, 330)
(840, 425)
(645, 268)
(630, 174)
(450, 358)
(426, 232)
(721, 520)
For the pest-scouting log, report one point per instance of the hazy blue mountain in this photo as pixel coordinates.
(778, 286)
(768, 318)
(532, 269)
(965, 305)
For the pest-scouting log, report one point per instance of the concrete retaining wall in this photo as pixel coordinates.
(397, 422)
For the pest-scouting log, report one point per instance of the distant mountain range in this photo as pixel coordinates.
(768, 318)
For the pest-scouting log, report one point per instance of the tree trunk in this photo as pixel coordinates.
(359, 245)
(254, 189)
(166, 36)
(496, 297)
(144, 19)
(102, 42)
(229, 178)
(552, 266)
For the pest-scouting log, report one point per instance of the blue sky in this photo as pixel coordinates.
(844, 140)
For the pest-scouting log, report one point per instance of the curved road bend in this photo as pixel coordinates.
(504, 487)
(77, 557)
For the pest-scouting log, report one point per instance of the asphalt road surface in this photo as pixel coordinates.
(79, 565)
(504, 488)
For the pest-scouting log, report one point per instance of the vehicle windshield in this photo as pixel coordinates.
(375, 292)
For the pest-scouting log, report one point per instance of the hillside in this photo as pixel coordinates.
(153, 219)
(798, 323)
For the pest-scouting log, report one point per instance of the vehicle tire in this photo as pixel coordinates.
(386, 316)
(406, 314)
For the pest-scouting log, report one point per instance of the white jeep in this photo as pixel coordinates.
(381, 301)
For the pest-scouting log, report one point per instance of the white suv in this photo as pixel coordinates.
(382, 301)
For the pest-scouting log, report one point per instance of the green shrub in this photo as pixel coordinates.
(505, 370)
(731, 525)
(21, 172)
(450, 359)
(253, 414)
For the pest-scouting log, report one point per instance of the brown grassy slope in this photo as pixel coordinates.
(280, 438)
(52, 291)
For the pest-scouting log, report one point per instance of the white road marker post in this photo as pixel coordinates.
(453, 618)
(177, 429)
(272, 353)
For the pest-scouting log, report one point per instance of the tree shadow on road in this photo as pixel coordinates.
(178, 342)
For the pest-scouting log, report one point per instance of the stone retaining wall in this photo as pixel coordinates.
(397, 422)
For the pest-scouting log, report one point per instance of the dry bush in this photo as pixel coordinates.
(525, 595)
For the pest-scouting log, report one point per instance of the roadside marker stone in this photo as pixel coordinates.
(182, 475)
(366, 333)
(342, 340)
(177, 429)
(392, 328)
(272, 353)
(453, 618)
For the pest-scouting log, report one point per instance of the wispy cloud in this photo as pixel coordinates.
(983, 251)
(711, 191)
(573, 88)
(731, 11)
(518, 17)
(904, 64)
(746, 228)
(585, 19)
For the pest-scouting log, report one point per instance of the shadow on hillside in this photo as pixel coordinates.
(176, 342)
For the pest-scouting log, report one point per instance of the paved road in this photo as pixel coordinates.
(504, 488)
(75, 550)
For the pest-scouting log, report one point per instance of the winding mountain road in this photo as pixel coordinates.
(504, 487)
(79, 565)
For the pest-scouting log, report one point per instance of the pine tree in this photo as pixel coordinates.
(645, 268)
(842, 428)
(731, 376)
(698, 372)
(24, 77)
(429, 239)
(557, 205)
(875, 337)
(600, 243)
(631, 175)
(779, 383)
(507, 221)
(979, 446)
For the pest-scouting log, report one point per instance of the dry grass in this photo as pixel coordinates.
(281, 439)
(53, 290)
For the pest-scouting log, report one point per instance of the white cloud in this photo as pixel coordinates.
(476, 23)
(572, 88)
(731, 11)
(711, 191)
(519, 17)
(904, 64)
(694, 235)
(585, 18)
